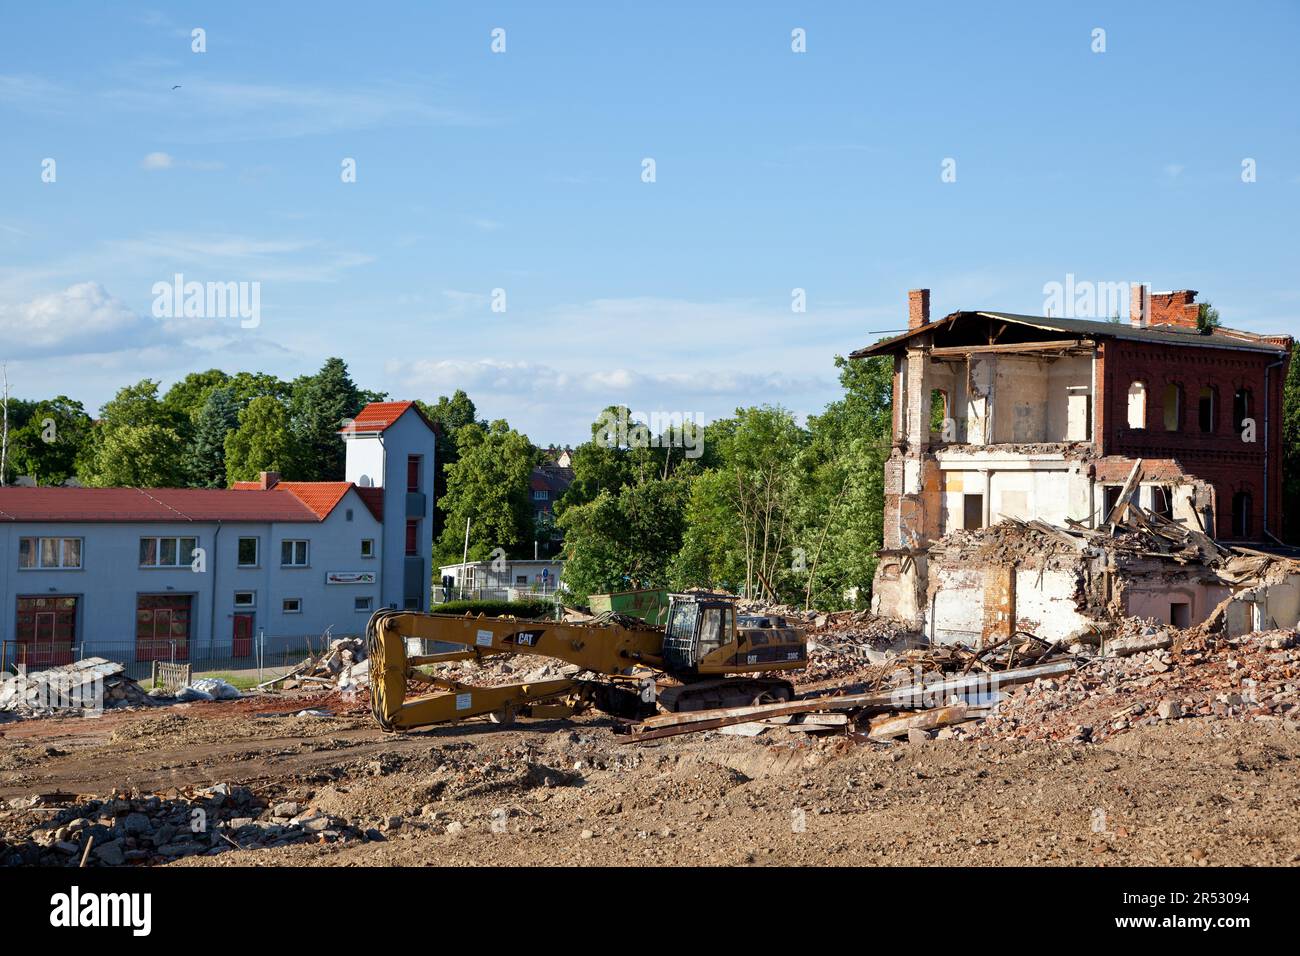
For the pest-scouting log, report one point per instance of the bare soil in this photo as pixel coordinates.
(1187, 792)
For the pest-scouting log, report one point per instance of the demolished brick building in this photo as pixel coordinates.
(1012, 418)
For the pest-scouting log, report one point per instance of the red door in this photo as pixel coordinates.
(243, 642)
(46, 630)
(162, 627)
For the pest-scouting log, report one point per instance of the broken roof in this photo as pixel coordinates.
(1091, 328)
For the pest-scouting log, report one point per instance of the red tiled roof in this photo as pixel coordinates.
(380, 416)
(150, 504)
(319, 496)
(377, 416)
(322, 497)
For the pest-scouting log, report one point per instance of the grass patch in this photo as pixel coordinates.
(238, 681)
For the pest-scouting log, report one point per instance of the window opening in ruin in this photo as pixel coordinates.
(1241, 402)
(1180, 614)
(1173, 407)
(972, 511)
(1137, 405)
(1206, 409)
(1242, 504)
(1162, 502)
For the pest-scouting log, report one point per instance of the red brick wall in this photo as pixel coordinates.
(1220, 457)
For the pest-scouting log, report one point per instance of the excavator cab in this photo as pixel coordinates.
(698, 625)
(705, 636)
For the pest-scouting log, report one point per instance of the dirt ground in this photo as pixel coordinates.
(1187, 792)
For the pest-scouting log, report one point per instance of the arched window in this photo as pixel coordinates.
(1137, 405)
(1242, 505)
(1242, 402)
(1207, 409)
(1173, 407)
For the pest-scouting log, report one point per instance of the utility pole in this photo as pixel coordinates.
(464, 560)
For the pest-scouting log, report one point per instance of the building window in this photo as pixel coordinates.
(49, 553)
(293, 554)
(362, 603)
(1173, 407)
(247, 553)
(1241, 409)
(167, 552)
(413, 463)
(1137, 405)
(521, 580)
(1242, 504)
(540, 496)
(348, 514)
(412, 536)
(972, 511)
(1206, 409)
(367, 547)
(291, 605)
(245, 599)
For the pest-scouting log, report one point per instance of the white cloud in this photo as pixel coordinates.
(86, 320)
(157, 161)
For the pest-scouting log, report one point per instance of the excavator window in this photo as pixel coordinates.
(711, 636)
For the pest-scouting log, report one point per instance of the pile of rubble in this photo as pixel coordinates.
(343, 665)
(83, 686)
(147, 829)
(1157, 675)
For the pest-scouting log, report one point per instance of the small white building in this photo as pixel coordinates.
(504, 580)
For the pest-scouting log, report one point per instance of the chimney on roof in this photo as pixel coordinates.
(268, 479)
(1139, 305)
(1178, 309)
(918, 308)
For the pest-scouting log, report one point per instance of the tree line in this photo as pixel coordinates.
(763, 506)
(209, 430)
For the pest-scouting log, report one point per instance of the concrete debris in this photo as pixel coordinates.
(1200, 675)
(151, 829)
(209, 688)
(85, 685)
(343, 665)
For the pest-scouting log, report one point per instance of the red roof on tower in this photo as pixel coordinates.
(379, 416)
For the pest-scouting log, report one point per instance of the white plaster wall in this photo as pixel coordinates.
(1046, 608)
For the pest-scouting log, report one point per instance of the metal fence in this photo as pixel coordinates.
(441, 595)
(261, 659)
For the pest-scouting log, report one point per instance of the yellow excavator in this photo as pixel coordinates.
(627, 668)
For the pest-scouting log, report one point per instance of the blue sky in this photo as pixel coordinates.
(522, 171)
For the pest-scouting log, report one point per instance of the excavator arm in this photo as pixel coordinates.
(609, 649)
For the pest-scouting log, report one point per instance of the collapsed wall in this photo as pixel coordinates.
(1070, 584)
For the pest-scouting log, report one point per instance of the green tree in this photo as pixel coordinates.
(262, 442)
(489, 485)
(450, 415)
(218, 418)
(625, 538)
(187, 397)
(319, 406)
(842, 496)
(137, 442)
(47, 445)
(1291, 452)
(1207, 317)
